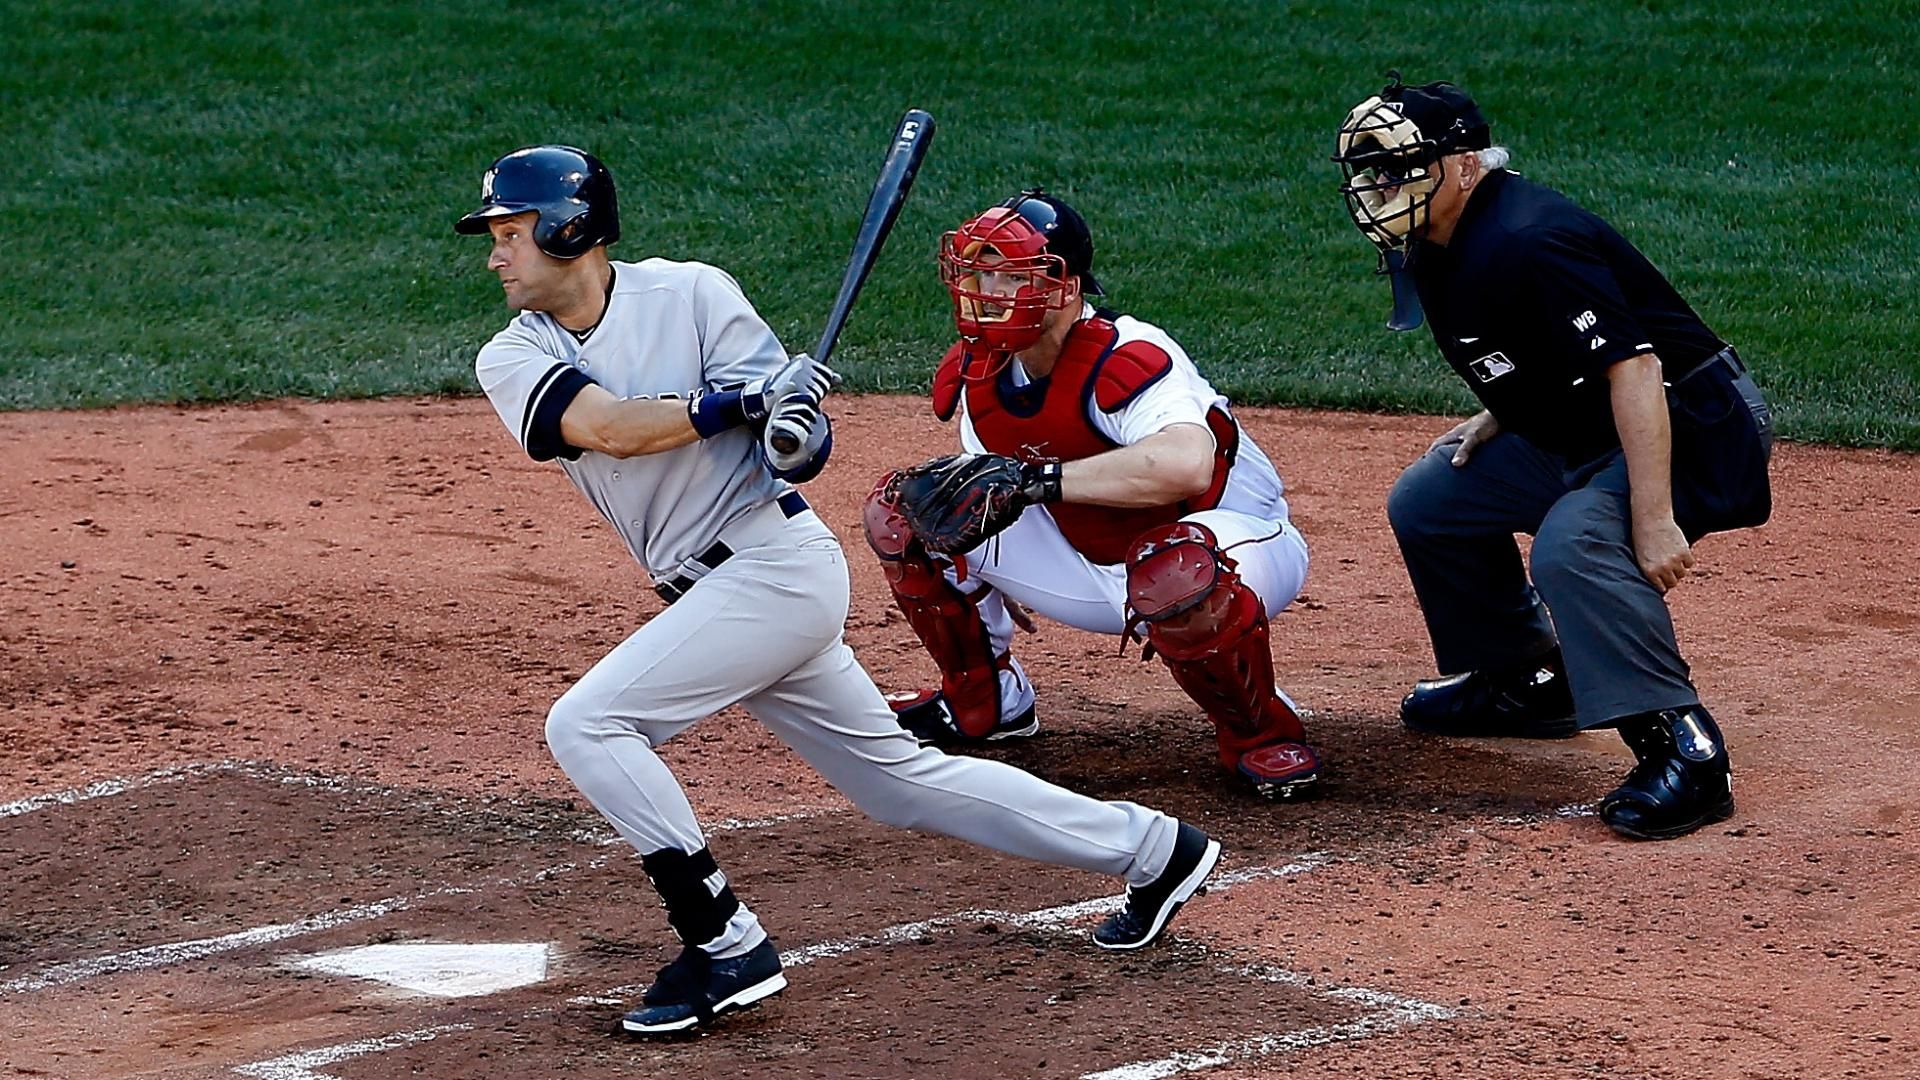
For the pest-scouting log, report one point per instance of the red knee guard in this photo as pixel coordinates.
(1211, 629)
(946, 620)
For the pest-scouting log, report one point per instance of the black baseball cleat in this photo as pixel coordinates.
(696, 988)
(1151, 906)
(1527, 701)
(680, 979)
(1683, 780)
(926, 715)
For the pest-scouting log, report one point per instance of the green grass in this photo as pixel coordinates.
(208, 201)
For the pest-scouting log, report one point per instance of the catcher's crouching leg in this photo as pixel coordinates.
(1211, 629)
(968, 705)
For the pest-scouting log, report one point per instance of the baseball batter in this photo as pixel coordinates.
(1137, 501)
(651, 383)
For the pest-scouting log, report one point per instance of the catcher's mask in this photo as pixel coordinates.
(1389, 150)
(1009, 266)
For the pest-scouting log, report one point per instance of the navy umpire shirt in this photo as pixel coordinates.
(1531, 302)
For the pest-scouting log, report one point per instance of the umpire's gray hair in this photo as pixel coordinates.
(1493, 157)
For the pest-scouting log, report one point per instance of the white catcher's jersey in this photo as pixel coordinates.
(1183, 396)
(671, 329)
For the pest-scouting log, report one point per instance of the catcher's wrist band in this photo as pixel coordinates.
(1043, 483)
(717, 411)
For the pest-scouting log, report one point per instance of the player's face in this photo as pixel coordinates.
(997, 282)
(527, 274)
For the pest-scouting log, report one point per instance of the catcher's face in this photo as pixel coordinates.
(1004, 284)
(1390, 173)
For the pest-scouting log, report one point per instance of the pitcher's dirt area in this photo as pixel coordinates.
(319, 642)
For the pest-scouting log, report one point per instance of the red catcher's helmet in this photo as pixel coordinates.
(1015, 243)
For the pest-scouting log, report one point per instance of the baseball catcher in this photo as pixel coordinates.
(1102, 483)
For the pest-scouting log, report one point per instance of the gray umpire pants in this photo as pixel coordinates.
(1456, 531)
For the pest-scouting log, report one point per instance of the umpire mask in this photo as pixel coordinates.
(1389, 151)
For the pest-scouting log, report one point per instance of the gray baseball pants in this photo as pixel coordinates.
(763, 630)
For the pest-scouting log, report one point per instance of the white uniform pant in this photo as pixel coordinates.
(1032, 563)
(764, 630)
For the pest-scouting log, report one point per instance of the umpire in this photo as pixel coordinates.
(1618, 430)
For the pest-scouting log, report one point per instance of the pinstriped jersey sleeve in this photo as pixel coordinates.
(530, 389)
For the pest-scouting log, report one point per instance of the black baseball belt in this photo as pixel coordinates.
(791, 504)
(1725, 356)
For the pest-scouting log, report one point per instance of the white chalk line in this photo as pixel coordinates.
(178, 952)
(1053, 918)
(115, 786)
(1257, 1046)
(170, 953)
(302, 1066)
(257, 770)
(1395, 1011)
(1386, 1012)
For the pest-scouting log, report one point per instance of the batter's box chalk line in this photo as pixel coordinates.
(304, 1065)
(1066, 917)
(256, 770)
(117, 786)
(178, 952)
(1386, 1012)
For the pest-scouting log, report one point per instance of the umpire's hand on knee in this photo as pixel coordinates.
(1662, 551)
(1470, 434)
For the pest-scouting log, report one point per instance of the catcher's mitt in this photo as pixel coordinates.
(955, 503)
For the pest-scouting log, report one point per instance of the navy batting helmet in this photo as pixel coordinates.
(570, 189)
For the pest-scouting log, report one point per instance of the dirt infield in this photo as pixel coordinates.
(274, 683)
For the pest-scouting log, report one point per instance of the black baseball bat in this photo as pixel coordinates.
(1407, 313)
(904, 154)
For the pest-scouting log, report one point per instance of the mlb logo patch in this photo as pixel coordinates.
(1491, 366)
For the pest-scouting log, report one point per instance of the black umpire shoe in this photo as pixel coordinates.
(696, 988)
(1151, 906)
(1526, 701)
(925, 713)
(1683, 781)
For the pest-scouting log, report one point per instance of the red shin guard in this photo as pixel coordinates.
(1211, 629)
(946, 620)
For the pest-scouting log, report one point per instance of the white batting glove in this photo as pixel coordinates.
(798, 417)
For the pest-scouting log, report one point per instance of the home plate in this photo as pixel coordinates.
(439, 969)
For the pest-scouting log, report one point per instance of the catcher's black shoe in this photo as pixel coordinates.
(703, 988)
(926, 715)
(1527, 701)
(1151, 906)
(1683, 780)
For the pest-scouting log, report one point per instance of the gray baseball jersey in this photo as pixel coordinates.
(671, 329)
(762, 627)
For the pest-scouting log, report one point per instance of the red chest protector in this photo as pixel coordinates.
(1048, 420)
